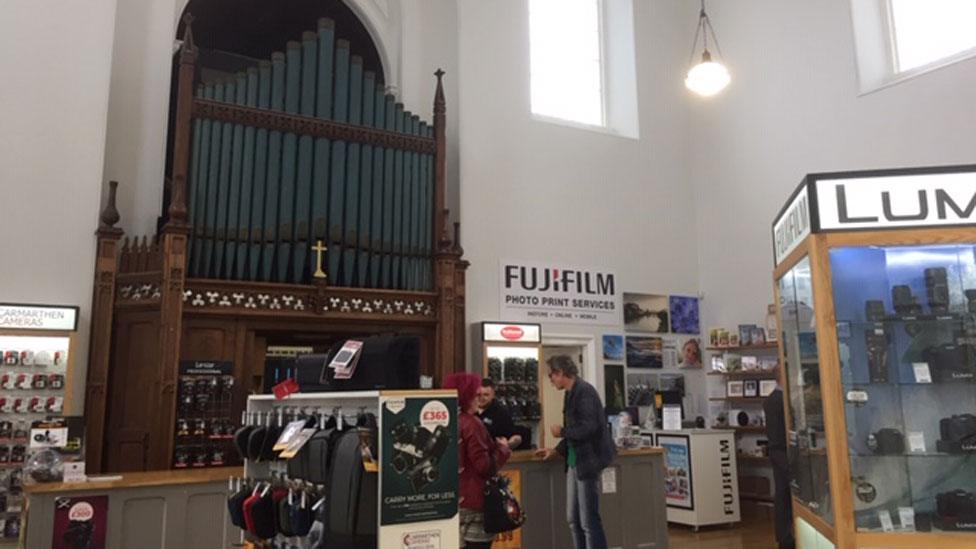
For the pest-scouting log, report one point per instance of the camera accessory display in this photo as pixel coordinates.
(957, 434)
(904, 302)
(956, 510)
(876, 343)
(417, 452)
(204, 429)
(886, 441)
(874, 310)
(937, 288)
(864, 490)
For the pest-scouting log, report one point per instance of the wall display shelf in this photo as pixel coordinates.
(876, 286)
(745, 348)
(37, 357)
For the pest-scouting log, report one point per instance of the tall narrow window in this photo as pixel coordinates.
(567, 62)
(927, 31)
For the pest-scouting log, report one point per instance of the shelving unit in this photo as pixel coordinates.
(745, 435)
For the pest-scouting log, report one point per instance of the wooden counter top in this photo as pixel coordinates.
(525, 456)
(139, 480)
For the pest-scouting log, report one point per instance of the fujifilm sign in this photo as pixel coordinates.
(879, 200)
(544, 292)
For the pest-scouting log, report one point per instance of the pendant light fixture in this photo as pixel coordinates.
(708, 77)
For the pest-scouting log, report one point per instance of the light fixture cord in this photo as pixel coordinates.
(704, 21)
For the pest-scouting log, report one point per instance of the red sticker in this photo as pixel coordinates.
(285, 388)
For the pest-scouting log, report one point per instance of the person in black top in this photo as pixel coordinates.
(495, 417)
(776, 433)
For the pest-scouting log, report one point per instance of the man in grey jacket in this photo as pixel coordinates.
(588, 448)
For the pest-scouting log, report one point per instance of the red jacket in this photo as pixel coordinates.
(475, 462)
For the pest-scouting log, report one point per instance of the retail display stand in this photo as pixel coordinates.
(876, 289)
(510, 355)
(37, 347)
(417, 500)
(746, 380)
(700, 485)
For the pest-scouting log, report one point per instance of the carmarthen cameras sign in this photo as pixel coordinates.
(553, 293)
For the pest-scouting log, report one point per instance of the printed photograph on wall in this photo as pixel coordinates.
(640, 389)
(613, 388)
(672, 382)
(690, 356)
(646, 313)
(644, 352)
(684, 315)
(613, 348)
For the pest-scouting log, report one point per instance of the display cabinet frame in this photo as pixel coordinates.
(807, 228)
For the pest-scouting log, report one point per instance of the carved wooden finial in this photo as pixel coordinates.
(457, 239)
(189, 53)
(439, 105)
(177, 203)
(110, 214)
(444, 243)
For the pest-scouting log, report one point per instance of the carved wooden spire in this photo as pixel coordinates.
(110, 214)
(189, 50)
(439, 105)
(457, 239)
(444, 244)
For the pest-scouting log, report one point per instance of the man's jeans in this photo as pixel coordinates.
(583, 512)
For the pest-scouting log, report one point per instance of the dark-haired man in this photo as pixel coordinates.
(496, 417)
(588, 448)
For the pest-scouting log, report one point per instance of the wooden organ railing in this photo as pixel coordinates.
(302, 166)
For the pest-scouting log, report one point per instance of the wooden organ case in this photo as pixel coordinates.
(305, 205)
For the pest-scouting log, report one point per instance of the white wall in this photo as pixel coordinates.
(792, 109)
(56, 57)
(542, 192)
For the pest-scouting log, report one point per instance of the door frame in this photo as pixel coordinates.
(590, 371)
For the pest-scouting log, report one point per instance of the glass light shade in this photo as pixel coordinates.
(708, 77)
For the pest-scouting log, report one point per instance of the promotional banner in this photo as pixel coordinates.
(677, 471)
(419, 447)
(546, 292)
(80, 522)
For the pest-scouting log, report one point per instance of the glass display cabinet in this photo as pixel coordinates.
(875, 278)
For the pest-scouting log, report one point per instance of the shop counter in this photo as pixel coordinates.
(156, 509)
(631, 502)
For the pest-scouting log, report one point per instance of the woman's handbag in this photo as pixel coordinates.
(503, 512)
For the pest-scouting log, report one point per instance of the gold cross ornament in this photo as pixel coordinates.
(319, 250)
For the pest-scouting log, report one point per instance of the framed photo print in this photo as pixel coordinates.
(733, 389)
(750, 388)
(766, 387)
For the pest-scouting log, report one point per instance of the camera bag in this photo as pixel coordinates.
(352, 496)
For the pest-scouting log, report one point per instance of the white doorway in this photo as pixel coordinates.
(582, 349)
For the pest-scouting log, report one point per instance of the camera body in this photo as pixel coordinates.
(886, 441)
(957, 434)
(417, 452)
(951, 362)
(904, 302)
(956, 510)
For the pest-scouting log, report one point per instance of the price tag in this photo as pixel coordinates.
(907, 517)
(672, 418)
(922, 373)
(916, 441)
(609, 480)
(885, 517)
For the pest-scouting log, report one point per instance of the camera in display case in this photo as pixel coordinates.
(876, 285)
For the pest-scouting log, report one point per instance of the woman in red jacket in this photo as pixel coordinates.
(475, 460)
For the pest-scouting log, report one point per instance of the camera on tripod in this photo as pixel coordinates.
(417, 452)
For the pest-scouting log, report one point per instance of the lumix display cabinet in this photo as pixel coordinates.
(875, 278)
